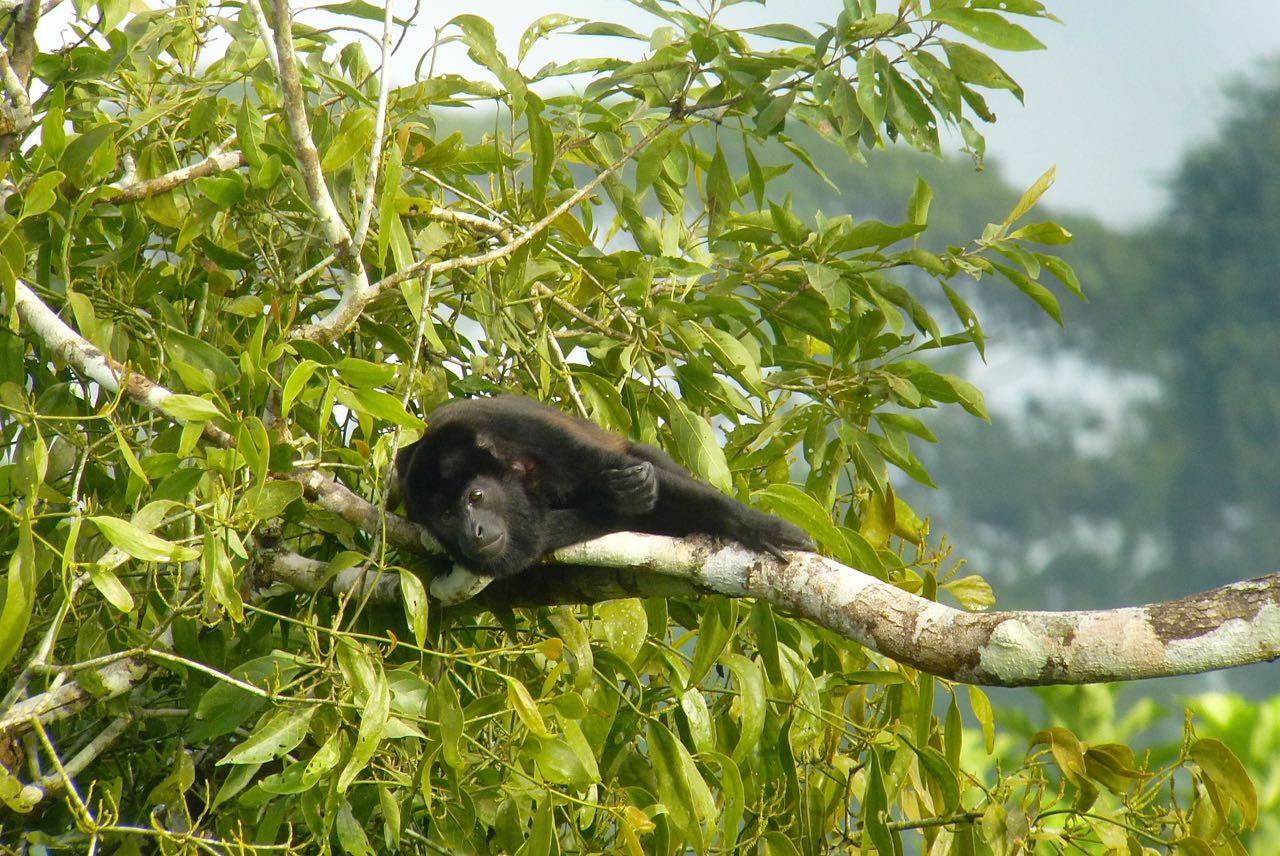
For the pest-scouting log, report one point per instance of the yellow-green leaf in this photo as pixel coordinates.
(190, 408)
(110, 587)
(525, 707)
(141, 544)
(1222, 766)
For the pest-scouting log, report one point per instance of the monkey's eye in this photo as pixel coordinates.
(475, 496)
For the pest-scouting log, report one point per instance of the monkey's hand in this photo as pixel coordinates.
(458, 585)
(632, 490)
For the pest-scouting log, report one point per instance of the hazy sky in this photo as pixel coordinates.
(1124, 88)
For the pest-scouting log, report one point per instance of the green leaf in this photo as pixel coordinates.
(942, 773)
(350, 832)
(714, 632)
(918, 204)
(666, 756)
(1031, 195)
(373, 722)
(452, 723)
(141, 544)
(482, 47)
(220, 578)
(604, 28)
(1064, 274)
(77, 160)
(542, 28)
(697, 719)
(413, 595)
(873, 233)
(271, 498)
(722, 190)
(1042, 296)
(973, 66)
(277, 734)
(752, 700)
(385, 407)
(559, 764)
(624, 626)
(190, 408)
(41, 194)
(355, 133)
(770, 118)
(110, 587)
(1224, 769)
(542, 146)
(732, 801)
(782, 32)
(357, 9)
(872, 95)
(1067, 752)
(294, 385)
(225, 191)
(803, 510)
(982, 711)
(698, 446)
(987, 27)
(1043, 233)
(19, 592)
(875, 806)
(361, 374)
(973, 592)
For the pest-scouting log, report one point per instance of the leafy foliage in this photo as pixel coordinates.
(298, 306)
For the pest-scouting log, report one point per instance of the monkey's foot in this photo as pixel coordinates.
(457, 586)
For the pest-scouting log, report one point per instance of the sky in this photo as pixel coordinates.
(1124, 89)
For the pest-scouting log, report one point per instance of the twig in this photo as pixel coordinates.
(264, 29)
(379, 129)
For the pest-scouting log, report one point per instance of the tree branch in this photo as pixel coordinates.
(217, 161)
(356, 292)
(1232, 625)
(379, 129)
(78, 353)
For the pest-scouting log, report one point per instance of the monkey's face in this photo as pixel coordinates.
(480, 524)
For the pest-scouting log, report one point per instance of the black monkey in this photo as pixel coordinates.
(503, 481)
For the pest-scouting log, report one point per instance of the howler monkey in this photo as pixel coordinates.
(503, 481)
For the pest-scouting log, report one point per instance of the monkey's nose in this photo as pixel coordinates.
(483, 538)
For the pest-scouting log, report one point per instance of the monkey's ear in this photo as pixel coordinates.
(486, 445)
(523, 467)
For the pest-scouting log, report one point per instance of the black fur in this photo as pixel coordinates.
(503, 481)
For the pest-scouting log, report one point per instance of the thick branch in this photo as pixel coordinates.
(332, 496)
(356, 292)
(1228, 626)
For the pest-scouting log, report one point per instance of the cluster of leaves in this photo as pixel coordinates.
(693, 309)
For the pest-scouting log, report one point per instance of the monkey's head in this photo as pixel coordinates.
(472, 499)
